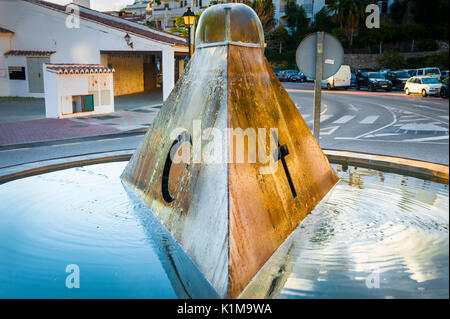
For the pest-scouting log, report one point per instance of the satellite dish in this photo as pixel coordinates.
(333, 55)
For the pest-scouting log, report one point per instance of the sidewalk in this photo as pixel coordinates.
(39, 129)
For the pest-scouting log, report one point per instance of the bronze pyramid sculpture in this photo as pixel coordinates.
(229, 166)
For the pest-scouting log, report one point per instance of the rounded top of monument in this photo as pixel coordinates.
(234, 23)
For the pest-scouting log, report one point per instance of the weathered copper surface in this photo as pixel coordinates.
(263, 211)
(228, 216)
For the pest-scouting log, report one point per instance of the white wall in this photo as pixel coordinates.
(5, 45)
(59, 89)
(51, 94)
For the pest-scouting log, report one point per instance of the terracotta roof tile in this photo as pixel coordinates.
(78, 68)
(112, 21)
(28, 53)
(3, 30)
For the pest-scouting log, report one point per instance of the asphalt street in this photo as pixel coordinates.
(379, 122)
(370, 122)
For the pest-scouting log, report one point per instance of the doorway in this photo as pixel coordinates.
(35, 76)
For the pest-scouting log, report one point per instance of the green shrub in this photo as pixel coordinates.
(427, 45)
(391, 60)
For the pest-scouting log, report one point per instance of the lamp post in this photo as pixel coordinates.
(189, 19)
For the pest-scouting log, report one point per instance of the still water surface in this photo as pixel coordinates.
(376, 235)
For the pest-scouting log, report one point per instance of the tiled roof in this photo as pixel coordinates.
(3, 30)
(29, 53)
(78, 68)
(118, 23)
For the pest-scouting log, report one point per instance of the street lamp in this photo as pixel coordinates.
(149, 9)
(189, 19)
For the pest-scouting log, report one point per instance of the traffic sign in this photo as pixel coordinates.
(333, 55)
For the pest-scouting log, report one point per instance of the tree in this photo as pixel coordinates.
(180, 28)
(322, 22)
(348, 14)
(391, 60)
(397, 10)
(265, 11)
(278, 38)
(413, 31)
(296, 21)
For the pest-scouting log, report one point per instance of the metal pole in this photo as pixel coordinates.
(189, 40)
(318, 86)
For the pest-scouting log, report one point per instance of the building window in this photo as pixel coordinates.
(16, 73)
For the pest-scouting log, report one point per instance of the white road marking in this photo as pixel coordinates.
(408, 116)
(383, 127)
(325, 117)
(344, 119)
(15, 149)
(445, 117)
(65, 144)
(430, 118)
(389, 141)
(386, 134)
(425, 139)
(427, 107)
(329, 130)
(369, 119)
(353, 108)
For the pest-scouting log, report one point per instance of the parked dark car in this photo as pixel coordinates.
(299, 77)
(286, 75)
(398, 79)
(372, 81)
(444, 89)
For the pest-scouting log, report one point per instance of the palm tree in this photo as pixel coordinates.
(348, 13)
(265, 11)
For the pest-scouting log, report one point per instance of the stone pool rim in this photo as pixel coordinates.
(419, 169)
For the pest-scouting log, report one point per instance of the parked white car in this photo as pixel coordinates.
(425, 85)
(433, 72)
(342, 79)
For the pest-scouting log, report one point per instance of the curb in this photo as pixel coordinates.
(419, 169)
(41, 167)
(424, 170)
(138, 131)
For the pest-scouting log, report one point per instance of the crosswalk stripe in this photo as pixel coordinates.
(325, 117)
(344, 119)
(369, 119)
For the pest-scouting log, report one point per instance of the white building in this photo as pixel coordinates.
(34, 32)
(164, 13)
(73, 90)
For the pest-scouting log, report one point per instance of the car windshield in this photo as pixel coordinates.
(402, 74)
(432, 71)
(376, 76)
(430, 81)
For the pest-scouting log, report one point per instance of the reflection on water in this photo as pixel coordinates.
(373, 230)
(376, 235)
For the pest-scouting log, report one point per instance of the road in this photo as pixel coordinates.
(370, 122)
(379, 122)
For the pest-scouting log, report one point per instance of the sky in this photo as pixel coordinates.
(101, 5)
